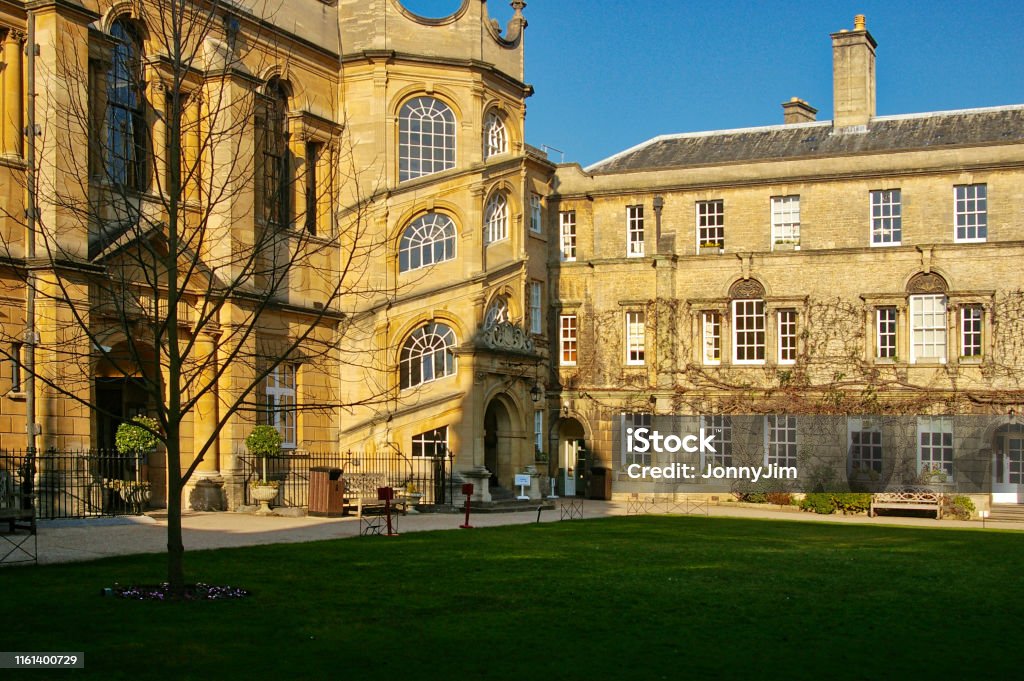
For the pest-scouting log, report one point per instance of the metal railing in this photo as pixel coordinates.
(79, 484)
(430, 477)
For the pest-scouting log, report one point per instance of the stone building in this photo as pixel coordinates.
(382, 264)
(355, 219)
(867, 266)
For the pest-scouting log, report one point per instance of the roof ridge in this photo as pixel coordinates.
(791, 126)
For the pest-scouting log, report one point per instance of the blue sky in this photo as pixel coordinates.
(610, 74)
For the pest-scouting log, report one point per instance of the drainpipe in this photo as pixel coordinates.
(30, 240)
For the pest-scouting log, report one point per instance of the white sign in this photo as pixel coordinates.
(522, 480)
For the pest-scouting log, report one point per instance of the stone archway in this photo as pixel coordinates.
(500, 434)
(571, 458)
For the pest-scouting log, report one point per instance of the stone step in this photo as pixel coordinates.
(1007, 513)
(509, 506)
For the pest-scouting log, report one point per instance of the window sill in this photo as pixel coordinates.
(886, 361)
(886, 245)
(702, 250)
(785, 247)
(972, 361)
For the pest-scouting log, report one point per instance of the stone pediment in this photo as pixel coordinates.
(505, 336)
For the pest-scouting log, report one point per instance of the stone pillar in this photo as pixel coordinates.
(208, 492)
(191, 170)
(12, 90)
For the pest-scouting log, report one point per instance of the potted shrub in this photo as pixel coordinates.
(412, 497)
(137, 437)
(264, 442)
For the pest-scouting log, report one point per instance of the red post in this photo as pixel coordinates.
(387, 494)
(467, 489)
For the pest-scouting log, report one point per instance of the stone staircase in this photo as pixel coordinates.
(504, 501)
(1007, 513)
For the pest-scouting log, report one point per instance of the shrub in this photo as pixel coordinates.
(264, 441)
(779, 498)
(819, 502)
(960, 506)
(136, 436)
(852, 502)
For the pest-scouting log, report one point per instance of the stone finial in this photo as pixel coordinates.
(517, 23)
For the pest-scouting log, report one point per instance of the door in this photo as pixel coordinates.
(1008, 470)
(570, 458)
(574, 467)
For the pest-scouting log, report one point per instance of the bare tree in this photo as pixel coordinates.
(185, 240)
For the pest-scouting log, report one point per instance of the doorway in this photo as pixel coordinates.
(498, 442)
(573, 465)
(1008, 467)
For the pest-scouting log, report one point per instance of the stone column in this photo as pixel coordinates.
(208, 492)
(191, 170)
(12, 88)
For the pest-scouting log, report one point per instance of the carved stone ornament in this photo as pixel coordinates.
(927, 283)
(746, 288)
(506, 336)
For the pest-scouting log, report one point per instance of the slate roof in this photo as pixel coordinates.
(969, 127)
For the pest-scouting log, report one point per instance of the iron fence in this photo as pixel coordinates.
(78, 484)
(431, 477)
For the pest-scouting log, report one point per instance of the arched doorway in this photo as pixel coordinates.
(572, 458)
(498, 442)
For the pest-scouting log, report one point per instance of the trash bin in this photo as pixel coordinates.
(600, 486)
(326, 492)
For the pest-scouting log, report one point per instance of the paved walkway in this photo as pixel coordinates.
(63, 541)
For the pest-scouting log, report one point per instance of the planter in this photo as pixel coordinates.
(263, 494)
(411, 500)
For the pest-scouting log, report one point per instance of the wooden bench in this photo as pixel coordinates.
(908, 499)
(17, 522)
(361, 493)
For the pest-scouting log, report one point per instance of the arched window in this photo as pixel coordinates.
(428, 240)
(497, 313)
(426, 138)
(276, 165)
(495, 135)
(427, 355)
(496, 218)
(749, 322)
(928, 325)
(125, 155)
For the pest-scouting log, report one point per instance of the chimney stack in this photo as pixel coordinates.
(797, 110)
(853, 75)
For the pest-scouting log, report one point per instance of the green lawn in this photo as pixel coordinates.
(622, 598)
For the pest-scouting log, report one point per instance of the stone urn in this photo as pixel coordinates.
(264, 493)
(138, 494)
(411, 501)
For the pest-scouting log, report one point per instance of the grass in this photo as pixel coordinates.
(621, 598)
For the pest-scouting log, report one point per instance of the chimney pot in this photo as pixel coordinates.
(860, 23)
(797, 110)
